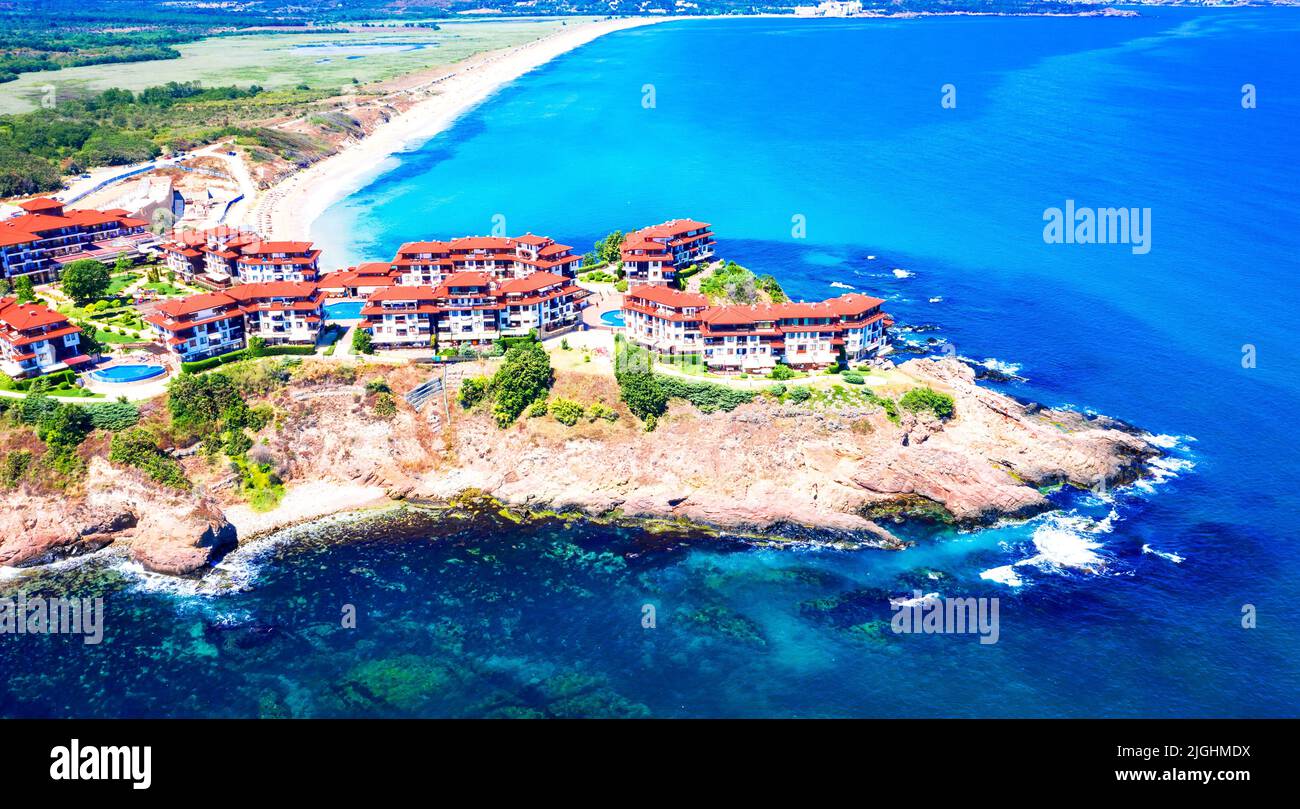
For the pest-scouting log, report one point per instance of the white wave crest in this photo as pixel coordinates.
(901, 273)
(1173, 557)
(1064, 543)
(839, 285)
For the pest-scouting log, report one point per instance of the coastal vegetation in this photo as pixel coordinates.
(927, 399)
(731, 283)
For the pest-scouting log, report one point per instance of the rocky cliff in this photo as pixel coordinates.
(166, 530)
(760, 466)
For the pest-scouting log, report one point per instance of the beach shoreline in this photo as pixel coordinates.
(291, 207)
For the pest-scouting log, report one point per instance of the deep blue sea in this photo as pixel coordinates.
(1123, 603)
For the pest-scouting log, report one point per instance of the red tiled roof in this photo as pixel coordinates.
(531, 283)
(40, 204)
(467, 279)
(666, 296)
(401, 293)
(24, 316)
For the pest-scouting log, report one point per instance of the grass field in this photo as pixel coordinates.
(284, 60)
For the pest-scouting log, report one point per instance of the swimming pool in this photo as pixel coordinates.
(127, 373)
(344, 310)
(614, 317)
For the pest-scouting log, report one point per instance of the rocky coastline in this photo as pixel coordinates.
(764, 468)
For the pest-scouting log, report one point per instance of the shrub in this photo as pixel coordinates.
(256, 346)
(621, 285)
(782, 372)
(852, 378)
(566, 412)
(538, 409)
(361, 342)
(385, 405)
(472, 391)
(776, 391)
(137, 448)
(523, 377)
(113, 416)
(705, 396)
(600, 410)
(64, 428)
(800, 394)
(378, 385)
(14, 467)
(640, 388)
(206, 403)
(918, 399)
(212, 362)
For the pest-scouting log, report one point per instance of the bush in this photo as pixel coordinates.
(523, 377)
(14, 467)
(256, 346)
(472, 391)
(113, 416)
(800, 394)
(137, 448)
(705, 396)
(538, 409)
(918, 399)
(776, 391)
(206, 403)
(852, 378)
(64, 428)
(600, 410)
(378, 385)
(782, 372)
(385, 405)
(212, 362)
(639, 387)
(361, 342)
(566, 412)
(621, 285)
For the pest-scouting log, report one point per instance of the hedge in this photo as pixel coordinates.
(242, 354)
(213, 362)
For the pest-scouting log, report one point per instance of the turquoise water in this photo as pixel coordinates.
(939, 210)
(614, 318)
(127, 373)
(344, 310)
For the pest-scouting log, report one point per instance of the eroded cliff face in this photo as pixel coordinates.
(762, 465)
(766, 464)
(168, 531)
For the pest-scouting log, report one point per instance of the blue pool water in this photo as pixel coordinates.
(127, 373)
(838, 124)
(344, 310)
(613, 317)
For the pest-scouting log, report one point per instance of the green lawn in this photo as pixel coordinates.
(285, 60)
(120, 282)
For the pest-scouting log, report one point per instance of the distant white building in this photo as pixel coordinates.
(831, 8)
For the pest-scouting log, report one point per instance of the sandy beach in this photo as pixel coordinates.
(288, 209)
(302, 502)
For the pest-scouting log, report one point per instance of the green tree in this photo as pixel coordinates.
(123, 264)
(85, 279)
(64, 428)
(256, 346)
(639, 387)
(205, 402)
(472, 391)
(524, 376)
(361, 342)
(24, 289)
